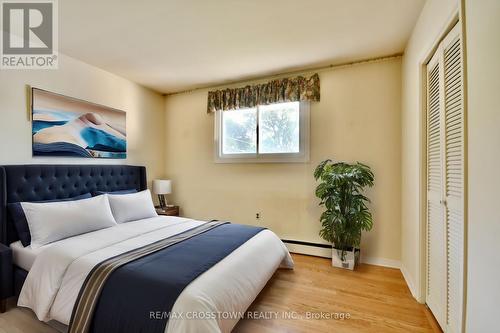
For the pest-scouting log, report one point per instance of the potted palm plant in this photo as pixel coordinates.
(340, 189)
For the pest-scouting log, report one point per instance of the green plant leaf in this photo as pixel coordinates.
(340, 189)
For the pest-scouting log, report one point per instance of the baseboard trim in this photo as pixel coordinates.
(409, 281)
(391, 263)
(325, 251)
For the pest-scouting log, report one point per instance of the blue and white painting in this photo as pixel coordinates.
(64, 126)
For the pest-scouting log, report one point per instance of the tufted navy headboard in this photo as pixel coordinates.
(38, 182)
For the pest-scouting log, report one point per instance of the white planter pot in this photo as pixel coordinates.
(350, 261)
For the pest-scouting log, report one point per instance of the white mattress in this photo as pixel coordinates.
(24, 257)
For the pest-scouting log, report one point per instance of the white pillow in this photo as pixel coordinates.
(52, 221)
(132, 207)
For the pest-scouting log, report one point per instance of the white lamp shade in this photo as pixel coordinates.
(161, 186)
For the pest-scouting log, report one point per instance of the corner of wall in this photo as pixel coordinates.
(411, 284)
(435, 16)
(143, 106)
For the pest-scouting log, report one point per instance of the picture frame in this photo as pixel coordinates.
(63, 126)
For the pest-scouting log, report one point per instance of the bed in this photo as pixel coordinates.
(53, 280)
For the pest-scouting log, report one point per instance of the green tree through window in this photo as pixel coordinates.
(267, 129)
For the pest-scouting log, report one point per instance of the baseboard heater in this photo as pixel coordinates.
(309, 248)
(325, 251)
(291, 241)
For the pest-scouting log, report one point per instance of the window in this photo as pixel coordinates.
(267, 133)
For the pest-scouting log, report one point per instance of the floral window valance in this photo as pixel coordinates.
(276, 91)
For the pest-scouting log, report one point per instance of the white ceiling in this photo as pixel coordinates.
(173, 45)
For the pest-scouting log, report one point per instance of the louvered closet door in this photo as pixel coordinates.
(436, 230)
(445, 184)
(454, 185)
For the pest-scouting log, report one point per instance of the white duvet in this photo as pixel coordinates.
(229, 287)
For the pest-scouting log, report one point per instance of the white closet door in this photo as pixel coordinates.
(454, 189)
(436, 230)
(445, 184)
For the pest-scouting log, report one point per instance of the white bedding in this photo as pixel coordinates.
(58, 272)
(24, 257)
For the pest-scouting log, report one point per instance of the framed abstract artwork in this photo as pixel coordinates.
(66, 126)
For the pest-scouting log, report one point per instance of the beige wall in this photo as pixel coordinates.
(358, 118)
(145, 112)
(432, 21)
(483, 73)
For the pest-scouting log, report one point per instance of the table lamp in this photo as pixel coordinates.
(162, 187)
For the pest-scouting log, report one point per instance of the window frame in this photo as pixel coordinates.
(301, 157)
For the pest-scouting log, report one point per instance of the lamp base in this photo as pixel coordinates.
(162, 200)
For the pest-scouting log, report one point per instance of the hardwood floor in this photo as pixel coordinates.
(376, 299)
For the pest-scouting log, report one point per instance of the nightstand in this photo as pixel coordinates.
(169, 211)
